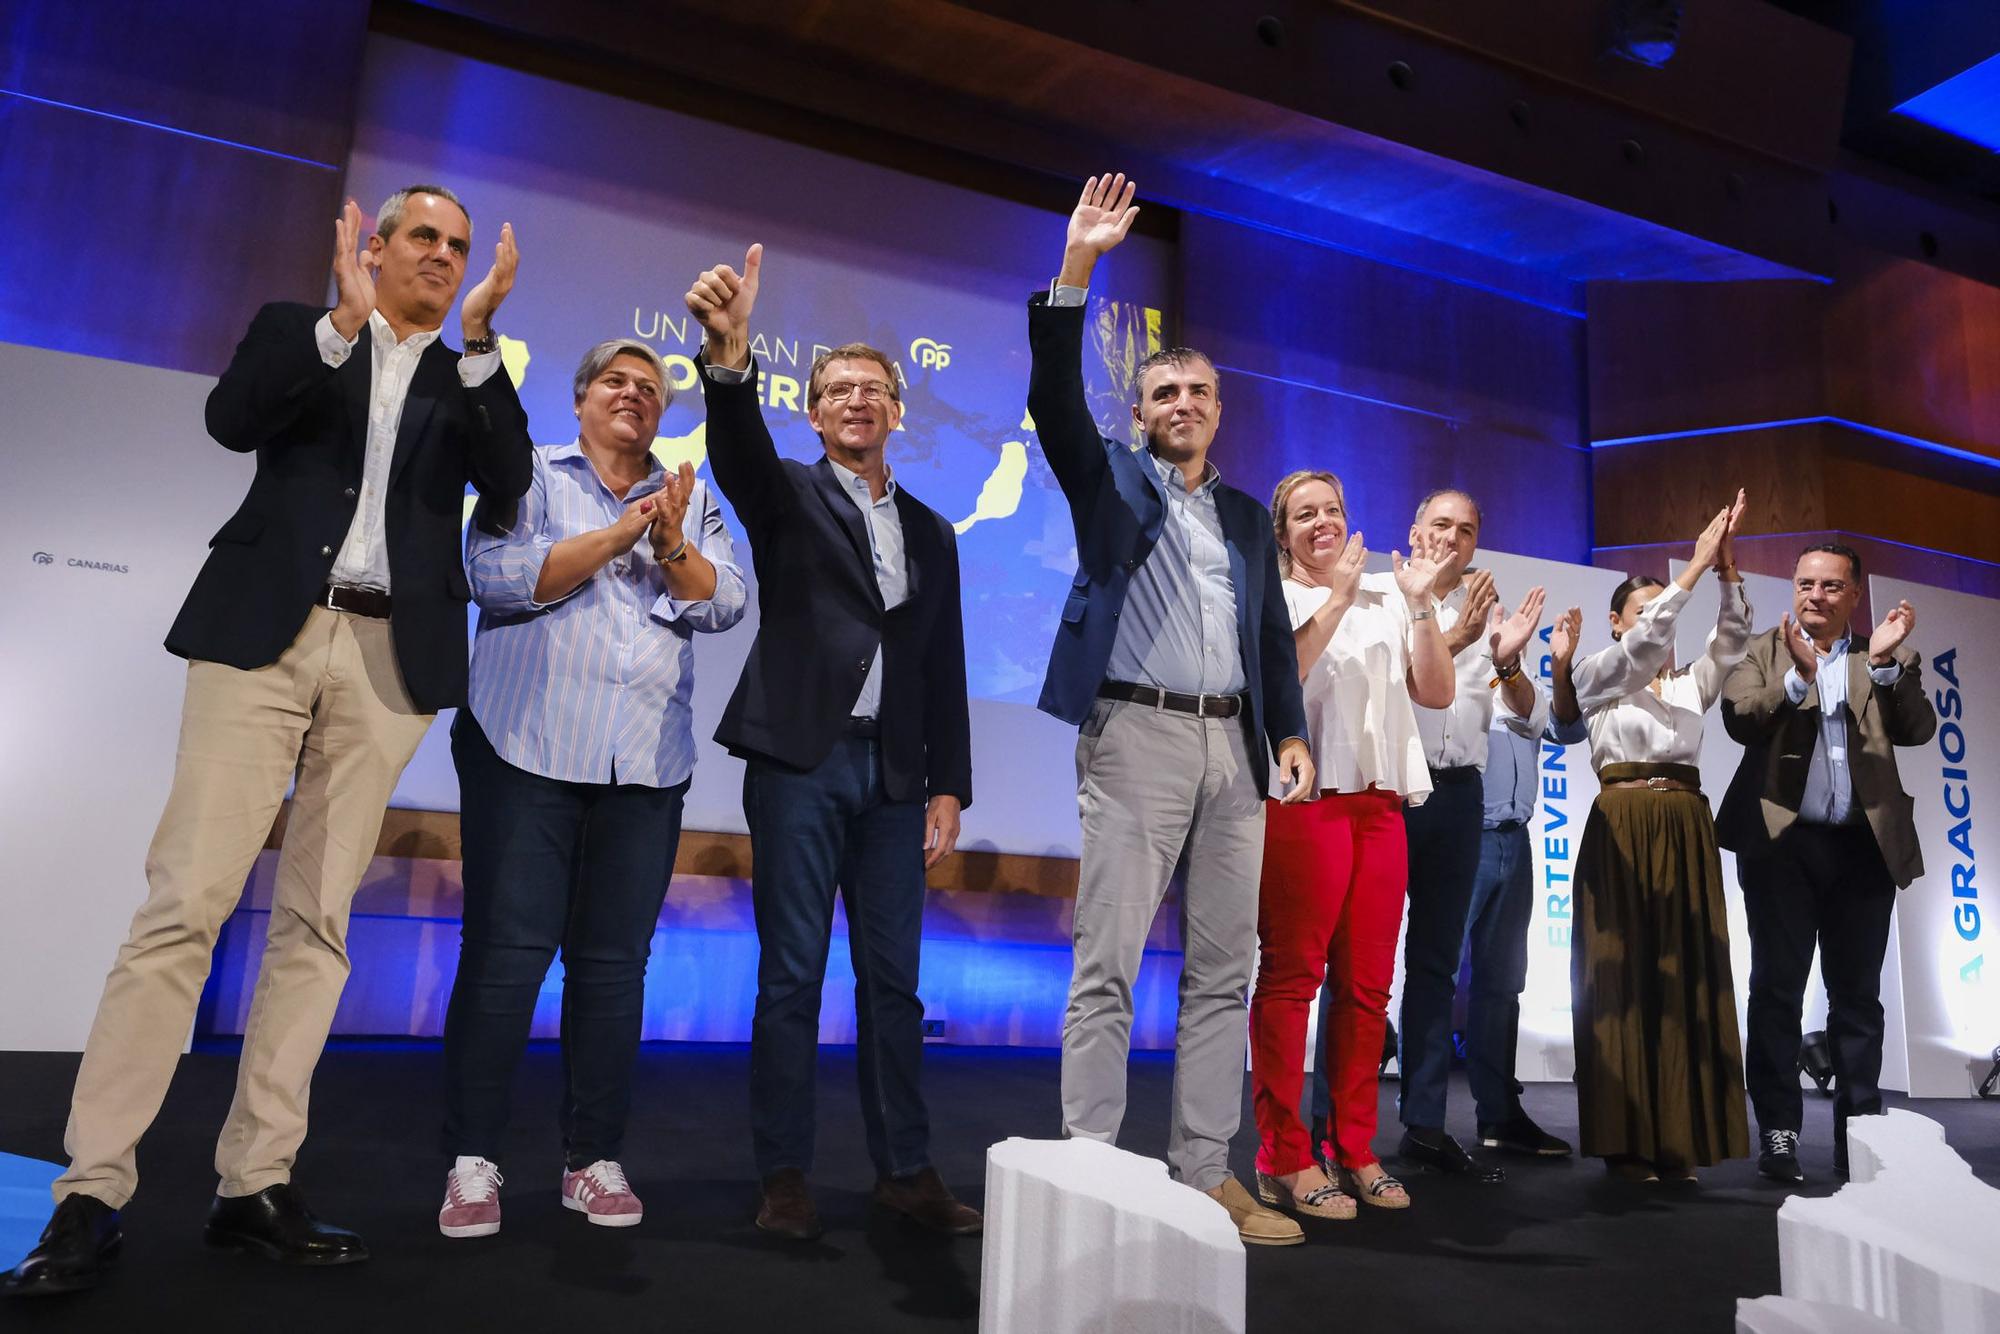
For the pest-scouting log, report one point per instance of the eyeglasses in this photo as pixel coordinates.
(871, 391)
(1833, 588)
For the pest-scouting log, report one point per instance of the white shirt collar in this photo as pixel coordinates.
(384, 336)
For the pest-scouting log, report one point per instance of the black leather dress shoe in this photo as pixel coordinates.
(785, 1206)
(1778, 1158)
(924, 1198)
(1441, 1153)
(276, 1224)
(76, 1249)
(1519, 1134)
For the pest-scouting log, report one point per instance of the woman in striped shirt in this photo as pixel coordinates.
(573, 757)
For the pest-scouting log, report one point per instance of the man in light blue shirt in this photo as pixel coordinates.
(1823, 837)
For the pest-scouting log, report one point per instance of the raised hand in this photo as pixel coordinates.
(1564, 635)
(483, 301)
(1725, 555)
(1711, 542)
(1508, 636)
(1890, 632)
(1805, 657)
(353, 273)
(671, 510)
(1480, 600)
(1103, 215)
(1343, 577)
(721, 301)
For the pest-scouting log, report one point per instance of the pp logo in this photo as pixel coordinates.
(44, 558)
(930, 354)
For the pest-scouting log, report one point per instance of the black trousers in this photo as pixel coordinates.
(1825, 884)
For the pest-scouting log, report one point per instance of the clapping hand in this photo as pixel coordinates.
(1805, 657)
(353, 273)
(1343, 577)
(1564, 635)
(1416, 576)
(672, 497)
(1890, 632)
(1714, 543)
(1508, 636)
(721, 301)
(483, 301)
(1474, 619)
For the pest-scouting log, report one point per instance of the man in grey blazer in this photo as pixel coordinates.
(1823, 836)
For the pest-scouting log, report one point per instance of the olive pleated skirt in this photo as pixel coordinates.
(1659, 1060)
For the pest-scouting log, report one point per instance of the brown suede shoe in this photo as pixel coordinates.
(923, 1197)
(1255, 1224)
(785, 1207)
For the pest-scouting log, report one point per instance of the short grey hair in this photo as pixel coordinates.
(390, 216)
(595, 360)
(1424, 505)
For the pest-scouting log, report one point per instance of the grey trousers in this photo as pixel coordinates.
(1150, 784)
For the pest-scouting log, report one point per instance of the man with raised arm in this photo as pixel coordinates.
(1174, 655)
(852, 722)
(325, 629)
(1823, 837)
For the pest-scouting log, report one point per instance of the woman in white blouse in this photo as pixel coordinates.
(1335, 868)
(1659, 1064)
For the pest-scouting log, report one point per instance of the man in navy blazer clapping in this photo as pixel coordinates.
(1175, 656)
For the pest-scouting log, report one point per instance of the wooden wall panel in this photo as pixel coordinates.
(1668, 490)
(1691, 356)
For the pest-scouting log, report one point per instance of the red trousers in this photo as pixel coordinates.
(1330, 906)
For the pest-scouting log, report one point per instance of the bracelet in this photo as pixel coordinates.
(479, 347)
(1507, 674)
(678, 554)
(1424, 615)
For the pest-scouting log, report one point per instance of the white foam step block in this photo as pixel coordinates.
(1913, 1237)
(1082, 1236)
(1789, 1315)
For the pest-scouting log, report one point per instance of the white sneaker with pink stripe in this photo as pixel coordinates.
(471, 1199)
(600, 1193)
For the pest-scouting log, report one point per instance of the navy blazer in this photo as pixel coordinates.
(821, 617)
(1117, 507)
(307, 422)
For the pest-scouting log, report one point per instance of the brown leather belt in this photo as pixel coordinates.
(1201, 706)
(1656, 777)
(360, 601)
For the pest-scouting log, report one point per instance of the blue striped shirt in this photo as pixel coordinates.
(593, 687)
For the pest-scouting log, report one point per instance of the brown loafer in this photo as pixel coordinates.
(785, 1206)
(1255, 1224)
(923, 1197)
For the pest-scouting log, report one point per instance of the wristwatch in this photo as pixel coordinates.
(479, 347)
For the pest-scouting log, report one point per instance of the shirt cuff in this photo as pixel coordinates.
(1795, 686)
(1886, 676)
(333, 349)
(726, 374)
(477, 369)
(1063, 295)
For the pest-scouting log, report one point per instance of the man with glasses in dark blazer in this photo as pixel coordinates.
(852, 721)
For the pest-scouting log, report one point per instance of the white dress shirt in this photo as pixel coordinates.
(1632, 722)
(1455, 737)
(1360, 723)
(363, 559)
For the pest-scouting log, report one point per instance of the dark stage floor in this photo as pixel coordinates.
(1556, 1248)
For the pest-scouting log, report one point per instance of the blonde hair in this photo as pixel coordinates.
(1282, 497)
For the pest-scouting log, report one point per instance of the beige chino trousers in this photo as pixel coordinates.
(332, 710)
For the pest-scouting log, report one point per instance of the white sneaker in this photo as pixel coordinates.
(471, 1199)
(600, 1193)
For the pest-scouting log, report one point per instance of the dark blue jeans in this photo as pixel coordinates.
(1444, 857)
(814, 833)
(1496, 941)
(580, 867)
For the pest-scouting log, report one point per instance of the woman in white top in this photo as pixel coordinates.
(1659, 1064)
(1335, 868)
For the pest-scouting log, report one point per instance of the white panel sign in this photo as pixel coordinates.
(1946, 921)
